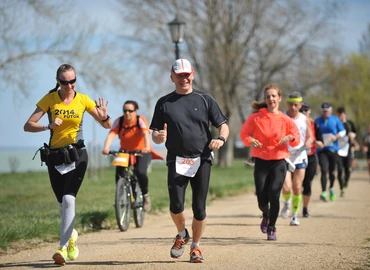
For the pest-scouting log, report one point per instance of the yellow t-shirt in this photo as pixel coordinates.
(70, 131)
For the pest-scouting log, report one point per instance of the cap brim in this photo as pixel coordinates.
(178, 73)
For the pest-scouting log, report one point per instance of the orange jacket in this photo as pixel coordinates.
(268, 129)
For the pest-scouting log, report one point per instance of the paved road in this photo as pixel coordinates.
(336, 237)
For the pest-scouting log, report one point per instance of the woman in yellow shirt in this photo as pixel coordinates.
(67, 156)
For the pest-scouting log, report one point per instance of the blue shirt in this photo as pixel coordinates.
(331, 125)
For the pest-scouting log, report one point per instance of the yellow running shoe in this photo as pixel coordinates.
(60, 256)
(72, 248)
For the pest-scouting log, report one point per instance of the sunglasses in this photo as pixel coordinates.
(130, 111)
(67, 82)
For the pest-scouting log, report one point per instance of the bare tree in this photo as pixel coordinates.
(33, 31)
(365, 42)
(237, 47)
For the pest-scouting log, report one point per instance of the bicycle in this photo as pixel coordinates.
(128, 193)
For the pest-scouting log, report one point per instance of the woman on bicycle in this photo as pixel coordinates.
(67, 161)
(133, 132)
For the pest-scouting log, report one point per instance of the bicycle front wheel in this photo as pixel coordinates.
(139, 212)
(123, 205)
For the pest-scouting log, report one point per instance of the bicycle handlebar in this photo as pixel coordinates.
(115, 153)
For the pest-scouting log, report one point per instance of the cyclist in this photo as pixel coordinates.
(298, 156)
(65, 108)
(269, 132)
(181, 119)
(133, 132)
(332, 129)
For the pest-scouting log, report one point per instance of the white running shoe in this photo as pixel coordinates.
(286, 210)
(294, 221)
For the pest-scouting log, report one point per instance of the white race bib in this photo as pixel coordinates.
(328, 139)
(343, 144)
(187, 166)
(63, 169)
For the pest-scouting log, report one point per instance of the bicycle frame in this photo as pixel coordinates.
(128, 193)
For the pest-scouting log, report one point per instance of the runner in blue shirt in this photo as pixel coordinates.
(332, 129)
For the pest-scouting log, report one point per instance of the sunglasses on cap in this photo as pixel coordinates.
(67, 82)
(130, 111)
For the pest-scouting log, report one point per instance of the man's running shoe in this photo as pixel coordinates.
(286, 210)
(177, 249)
(294, 221)
(147, 203)
(60, 256)
(324, 196)
(271, 234)
(342, 193)
(332, 195)
(305, 212)
(72, 248)
(196, 255)
(264, 224)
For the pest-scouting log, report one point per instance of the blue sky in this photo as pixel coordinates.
(352, 24)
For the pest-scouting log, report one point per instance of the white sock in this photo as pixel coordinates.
(182, 233)
(194, 245)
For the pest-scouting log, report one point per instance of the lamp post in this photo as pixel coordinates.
(177, 34)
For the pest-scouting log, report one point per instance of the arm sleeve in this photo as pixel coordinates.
(318, 133)
(246, 131)
(158, 117)
(90, 104)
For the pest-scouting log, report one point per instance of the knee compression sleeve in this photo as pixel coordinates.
(68, 219)
(296, 203)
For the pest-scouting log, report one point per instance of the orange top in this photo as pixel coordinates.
(268, 129)
(131, 136)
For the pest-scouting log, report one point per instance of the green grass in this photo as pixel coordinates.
(29, 210)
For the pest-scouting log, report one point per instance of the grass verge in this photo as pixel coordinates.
(30, 214)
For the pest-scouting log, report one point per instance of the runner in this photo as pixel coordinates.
(332, 129)
(181, 119)
(269, 132)
(66, 155)
(298, 156)
(311, 169)
(366, 148)
(346, 147)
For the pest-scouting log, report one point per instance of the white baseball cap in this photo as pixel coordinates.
(181, 66)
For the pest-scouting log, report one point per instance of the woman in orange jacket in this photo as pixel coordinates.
(268, 131)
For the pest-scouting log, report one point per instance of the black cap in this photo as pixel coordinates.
(305, 107)
(326, 106)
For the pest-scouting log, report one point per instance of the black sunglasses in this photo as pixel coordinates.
(130, 111)
(67, 82)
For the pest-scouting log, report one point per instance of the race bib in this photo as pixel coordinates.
(343, 144)
(328, 141)
(298, 156)
(187, 166)
(63, 169)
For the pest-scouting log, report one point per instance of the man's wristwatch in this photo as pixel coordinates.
(222, 138)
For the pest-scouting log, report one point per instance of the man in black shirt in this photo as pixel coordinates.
(181, 119)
